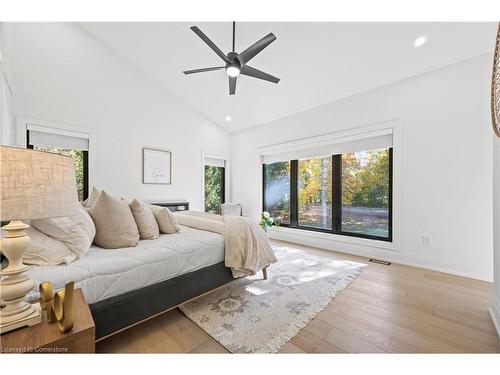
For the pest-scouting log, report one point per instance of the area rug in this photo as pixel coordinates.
(252, 315)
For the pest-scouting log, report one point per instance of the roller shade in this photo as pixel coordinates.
(51, 138)
(330, 146)
(215, 162)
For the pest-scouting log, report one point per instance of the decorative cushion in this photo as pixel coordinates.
(77, 232)
(45, 250)
(166, 221)
(114, 223)
(145, 220)
(89, 202)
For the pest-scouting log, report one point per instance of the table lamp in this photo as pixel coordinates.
(33, 185)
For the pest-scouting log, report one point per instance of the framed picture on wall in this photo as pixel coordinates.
(157, 166)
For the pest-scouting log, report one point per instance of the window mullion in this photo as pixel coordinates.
(337, 193)
(85, 174)
(294, 202)
(390, 193)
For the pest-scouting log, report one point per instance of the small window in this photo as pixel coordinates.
(81, 158)
(214, 188)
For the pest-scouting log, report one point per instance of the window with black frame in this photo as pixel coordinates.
(214, 188)
(215, 183)
(76, 148)
(277, 190)
(348, 194)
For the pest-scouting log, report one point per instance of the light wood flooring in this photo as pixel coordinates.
(387, 309)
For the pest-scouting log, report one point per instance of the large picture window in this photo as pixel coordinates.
(348, 194)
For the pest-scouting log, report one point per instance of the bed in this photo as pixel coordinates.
(126, 286)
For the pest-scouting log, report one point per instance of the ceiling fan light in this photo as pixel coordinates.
(233, 71)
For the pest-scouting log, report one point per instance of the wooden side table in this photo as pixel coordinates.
(46, 338)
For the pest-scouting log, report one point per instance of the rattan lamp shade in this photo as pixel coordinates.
(36, 184)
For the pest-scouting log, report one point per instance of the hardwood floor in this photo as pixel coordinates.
(387, 309)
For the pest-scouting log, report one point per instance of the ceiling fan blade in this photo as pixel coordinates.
(256, 73)
(204, 70)
(211, 44)
(255, 48)
(232, 85)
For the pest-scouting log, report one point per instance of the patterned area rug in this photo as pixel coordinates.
(252, 315)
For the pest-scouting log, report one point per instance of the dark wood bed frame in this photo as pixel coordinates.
(118, 313)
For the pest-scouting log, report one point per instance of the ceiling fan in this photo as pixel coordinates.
(236, 63)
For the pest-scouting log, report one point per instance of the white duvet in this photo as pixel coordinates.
(103, 273)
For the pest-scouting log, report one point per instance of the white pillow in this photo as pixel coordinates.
(45, 250)
(77, 232)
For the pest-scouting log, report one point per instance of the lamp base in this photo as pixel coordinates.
(28, 317)
(14, 285)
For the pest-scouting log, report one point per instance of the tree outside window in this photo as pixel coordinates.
(78, 157)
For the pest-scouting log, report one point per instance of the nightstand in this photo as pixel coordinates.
(46, 338)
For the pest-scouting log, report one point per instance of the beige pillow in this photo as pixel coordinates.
(114, 223)
(145, 220)
(166, 221)
(89, 202)
(77, 231)
(46, 251)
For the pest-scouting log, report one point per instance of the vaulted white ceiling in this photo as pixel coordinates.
(317, 62)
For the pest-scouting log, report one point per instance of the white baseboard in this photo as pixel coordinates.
(495, 314)
(324, 241)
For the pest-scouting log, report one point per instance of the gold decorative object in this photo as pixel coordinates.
(495, 87)
(59, 306)
(47, 300)
(33, 185)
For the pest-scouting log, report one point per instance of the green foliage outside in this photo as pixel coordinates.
(277, 186)
(315, 192)
(365, 179)
(365, 183)
(315, 180)
(214, 180)
(77, 156)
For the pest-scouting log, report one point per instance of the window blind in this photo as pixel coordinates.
(215, 162)
(39, 136)
(327, 146)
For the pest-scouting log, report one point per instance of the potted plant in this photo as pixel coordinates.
(266, 221)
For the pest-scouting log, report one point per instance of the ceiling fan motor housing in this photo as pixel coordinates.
(233, 57)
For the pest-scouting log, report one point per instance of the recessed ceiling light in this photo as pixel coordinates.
(420, 41)
(228, 118)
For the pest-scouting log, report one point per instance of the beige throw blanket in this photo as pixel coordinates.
(247, 249)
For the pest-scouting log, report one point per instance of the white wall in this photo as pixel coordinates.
(60, 73)
(446, 157)
(495, 306)
(5, 86)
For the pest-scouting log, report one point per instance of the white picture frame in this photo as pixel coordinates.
(156, 166)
